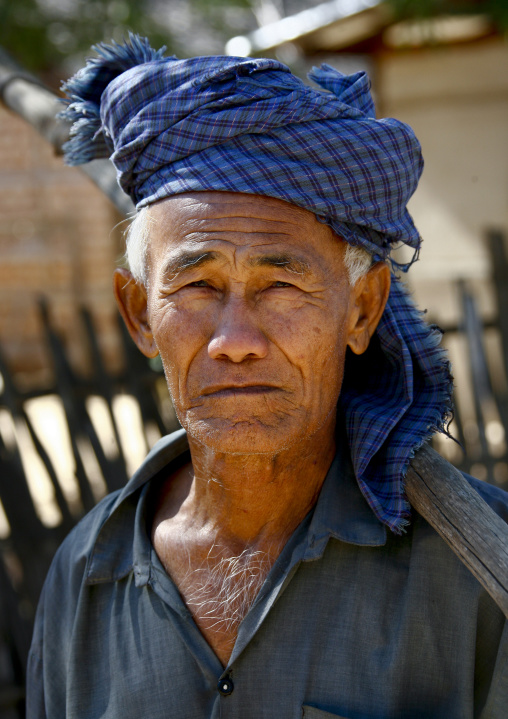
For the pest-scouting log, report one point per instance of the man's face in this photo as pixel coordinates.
(250, 307)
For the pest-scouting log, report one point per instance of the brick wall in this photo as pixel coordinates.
(56, 240)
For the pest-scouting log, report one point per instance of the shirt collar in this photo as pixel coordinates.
(341, 512)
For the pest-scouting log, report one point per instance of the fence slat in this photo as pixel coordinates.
(116, 474)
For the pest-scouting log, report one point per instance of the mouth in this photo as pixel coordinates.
(236, 391)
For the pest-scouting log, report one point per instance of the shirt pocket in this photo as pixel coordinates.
(314, 713)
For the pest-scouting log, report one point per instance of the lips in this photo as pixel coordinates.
(236, 391)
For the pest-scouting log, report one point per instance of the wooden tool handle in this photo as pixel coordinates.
(439, 492)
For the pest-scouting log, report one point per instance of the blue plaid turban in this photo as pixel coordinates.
(248, 125)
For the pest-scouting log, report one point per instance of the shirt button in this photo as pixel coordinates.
(225, 686)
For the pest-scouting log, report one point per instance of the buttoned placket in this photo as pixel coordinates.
(307, 544)
(221, 680)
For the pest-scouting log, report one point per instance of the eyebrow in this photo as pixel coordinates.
(185, 261)
(283, 259)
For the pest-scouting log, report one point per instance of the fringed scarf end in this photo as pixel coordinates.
(89, 140)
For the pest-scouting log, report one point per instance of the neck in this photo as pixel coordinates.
(221, 522)
(257, 500)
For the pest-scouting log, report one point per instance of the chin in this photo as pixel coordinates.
(249, 436)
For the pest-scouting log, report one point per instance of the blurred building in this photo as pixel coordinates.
(56, 241)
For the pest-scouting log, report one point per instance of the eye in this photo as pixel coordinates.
(281, 284)
(199, 283)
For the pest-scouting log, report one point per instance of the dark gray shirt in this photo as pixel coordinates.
(351, 622)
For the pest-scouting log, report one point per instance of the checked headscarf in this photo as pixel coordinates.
(249, 125)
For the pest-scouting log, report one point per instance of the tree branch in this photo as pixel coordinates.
(25, 96)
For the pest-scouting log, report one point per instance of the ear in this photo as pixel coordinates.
(368, 300)
(132, 302)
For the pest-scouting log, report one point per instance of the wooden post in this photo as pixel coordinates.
(462, 518)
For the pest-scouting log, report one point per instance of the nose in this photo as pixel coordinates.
(237, 336)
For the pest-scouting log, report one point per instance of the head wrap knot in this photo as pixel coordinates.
(249, 125)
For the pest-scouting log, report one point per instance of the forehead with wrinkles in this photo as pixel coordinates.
(260, 230)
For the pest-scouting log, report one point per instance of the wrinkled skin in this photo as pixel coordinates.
(253, 338)
(250, 307)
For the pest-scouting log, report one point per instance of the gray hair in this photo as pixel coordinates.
(357, 260)
(136, 243)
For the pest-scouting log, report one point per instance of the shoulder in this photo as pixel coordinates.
(69, 564)
(443, 564)
(63, 585)
(496, 498)
(103, 537)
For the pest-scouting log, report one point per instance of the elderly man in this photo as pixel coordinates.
(263, 561)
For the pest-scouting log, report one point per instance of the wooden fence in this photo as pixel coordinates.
(482, 428)
(29, 544)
